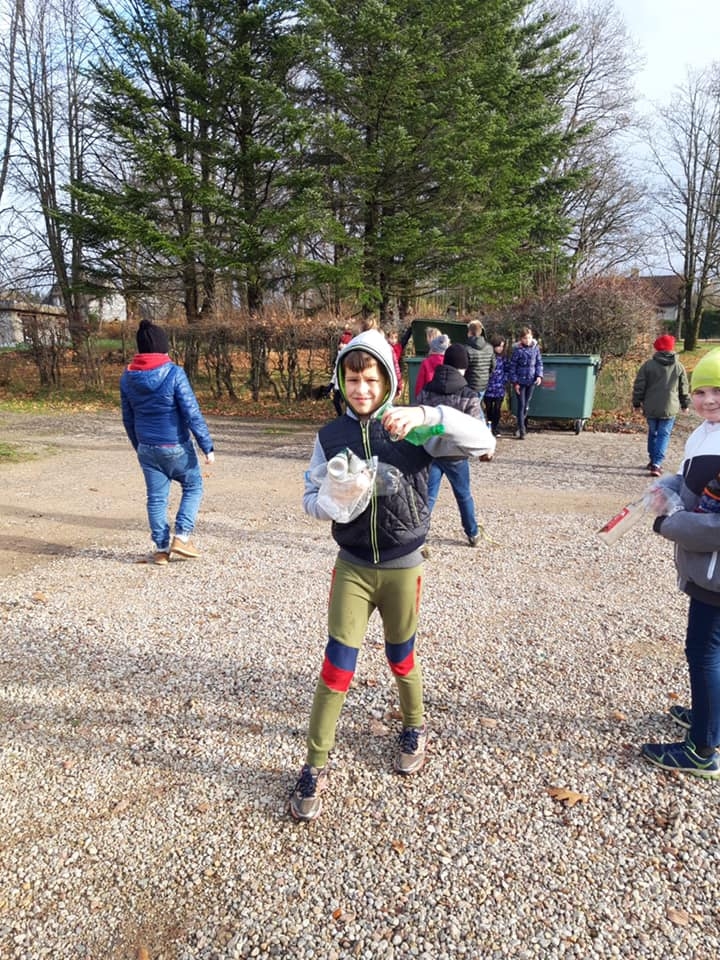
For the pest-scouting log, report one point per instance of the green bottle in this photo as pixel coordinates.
(418, 435)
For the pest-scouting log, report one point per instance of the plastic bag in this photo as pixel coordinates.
(346, 485)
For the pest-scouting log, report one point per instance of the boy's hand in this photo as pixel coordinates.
(399, 421)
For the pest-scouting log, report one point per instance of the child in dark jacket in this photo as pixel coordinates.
(526, 371)
(159, 412)
(449, 386)
(497, 384)
(380, 513)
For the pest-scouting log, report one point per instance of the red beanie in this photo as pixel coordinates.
(665, 343)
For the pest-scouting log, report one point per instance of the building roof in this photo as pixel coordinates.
(663, 290)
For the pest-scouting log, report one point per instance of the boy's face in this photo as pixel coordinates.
(706, 403)
(365, 389)
(526, 339)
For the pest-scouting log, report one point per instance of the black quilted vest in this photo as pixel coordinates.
(392, 525)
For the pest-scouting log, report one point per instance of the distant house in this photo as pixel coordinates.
(15, 313)
(664, 291)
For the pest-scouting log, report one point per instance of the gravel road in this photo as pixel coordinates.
(153, 720)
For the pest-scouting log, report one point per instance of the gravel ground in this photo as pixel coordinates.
(153, 721)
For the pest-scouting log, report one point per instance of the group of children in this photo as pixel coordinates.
(379, 560)
(374, 474)
(520, 369)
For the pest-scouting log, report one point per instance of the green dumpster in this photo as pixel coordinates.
(567, 390)
(456, 332)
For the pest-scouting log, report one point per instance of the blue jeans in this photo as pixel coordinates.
(523, 397)
(659, 431)
(702, 649)
(160, 466)
(458, 473)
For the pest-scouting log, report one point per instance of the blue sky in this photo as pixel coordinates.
(671, 35)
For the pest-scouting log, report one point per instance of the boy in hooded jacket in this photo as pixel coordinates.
(661, 389)
(159, 412)
(379, 564)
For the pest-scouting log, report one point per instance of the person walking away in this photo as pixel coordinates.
(497, 384)
(695, 533)
(449, 386)
(660, 390)
(159, 412)
(380, 518)
(526, 371)
(481, 358)
(438, 345)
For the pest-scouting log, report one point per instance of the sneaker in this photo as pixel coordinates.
(655, 471)
(518, 434)
(161, 557)
(475, 540)
(305, 802)
(183, 548)
(681, 715)
(425, 552)
(649, 465)
(682, 756)
(412, 747)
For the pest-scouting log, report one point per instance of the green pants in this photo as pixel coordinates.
(355, 593)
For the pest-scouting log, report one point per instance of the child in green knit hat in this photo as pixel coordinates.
(695, 532)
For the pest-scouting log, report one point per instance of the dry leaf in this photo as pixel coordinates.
(202, 807)
(618, 715)
(142, 952)
(680, 917)
(39, 597)
(568, 797)
(398, 846)
(378, 729)
(674, 696)
(489, 722)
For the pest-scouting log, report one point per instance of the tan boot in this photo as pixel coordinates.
(184, 549)
(161, 557)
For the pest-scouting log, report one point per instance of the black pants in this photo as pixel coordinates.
(493, 406)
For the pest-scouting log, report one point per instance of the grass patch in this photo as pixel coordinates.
(10, 453)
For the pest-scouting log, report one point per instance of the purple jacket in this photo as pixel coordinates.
(525, 363)
(498, 378)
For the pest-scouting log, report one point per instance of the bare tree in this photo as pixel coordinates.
(603, 197)
(51, 145)
(687, 159)
(8, 119)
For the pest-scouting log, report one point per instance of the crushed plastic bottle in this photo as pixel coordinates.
(629, 516)
(345, 464)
